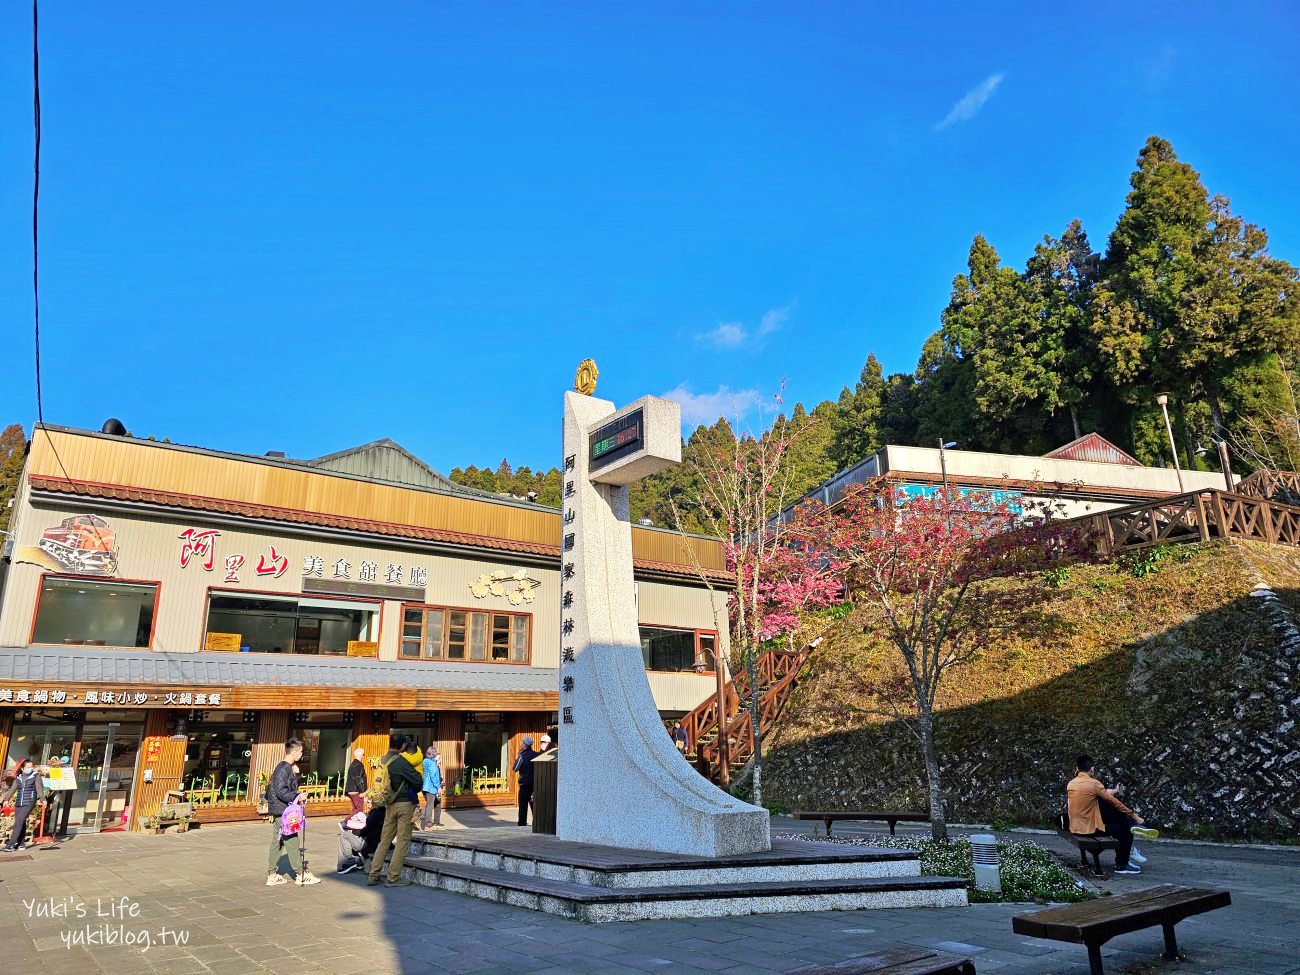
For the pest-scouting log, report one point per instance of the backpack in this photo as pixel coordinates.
(383, 792)
(291, 820)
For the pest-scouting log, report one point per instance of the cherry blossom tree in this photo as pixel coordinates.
(739, 485)
(934, 568)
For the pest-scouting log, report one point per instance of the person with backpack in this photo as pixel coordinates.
(28, 791)
(282, 792)
(396, 790)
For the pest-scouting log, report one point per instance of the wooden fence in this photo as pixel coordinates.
(1195, 517)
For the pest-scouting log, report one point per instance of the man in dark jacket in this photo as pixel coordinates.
(524, 766)
(399, 816)
(357, 783)
(28, 791)
(281, 791)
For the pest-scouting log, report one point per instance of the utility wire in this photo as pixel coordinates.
(36, 199)
(36, 235)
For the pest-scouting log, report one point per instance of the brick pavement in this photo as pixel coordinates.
(208, 884)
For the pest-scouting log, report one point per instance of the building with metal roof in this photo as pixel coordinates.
(170, 614)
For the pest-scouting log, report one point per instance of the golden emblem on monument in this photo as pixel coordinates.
(585, 383)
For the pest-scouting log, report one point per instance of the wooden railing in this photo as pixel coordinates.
(1195, 517)
(777, 671)
(1281, 486)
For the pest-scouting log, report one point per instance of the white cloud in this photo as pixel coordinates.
(735, 335)
(705, 408)
(728, 335)
(969, 104)
(773, 319)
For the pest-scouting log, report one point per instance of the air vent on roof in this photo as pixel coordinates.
(275, 453)
(114, 427)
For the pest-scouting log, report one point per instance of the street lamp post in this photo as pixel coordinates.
(1163, 400)
(943, 462)
(1225, 462)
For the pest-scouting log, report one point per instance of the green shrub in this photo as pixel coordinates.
(1029, 872)
(1057, 576)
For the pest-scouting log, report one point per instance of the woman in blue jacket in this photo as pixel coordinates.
(432, 815)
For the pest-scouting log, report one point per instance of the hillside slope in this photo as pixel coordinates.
(1181, 682)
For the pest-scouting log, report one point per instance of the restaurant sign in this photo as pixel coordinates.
(112, 697)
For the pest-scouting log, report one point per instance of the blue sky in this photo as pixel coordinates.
(300, 226)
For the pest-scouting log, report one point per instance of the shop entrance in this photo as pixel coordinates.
(106, 766)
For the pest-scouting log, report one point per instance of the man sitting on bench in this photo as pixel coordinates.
(1084, 796)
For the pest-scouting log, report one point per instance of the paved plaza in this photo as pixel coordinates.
(208, 886)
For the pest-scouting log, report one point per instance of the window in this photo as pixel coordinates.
(80, 612)
(291, 624)
(487, 757)
(327, 745)
(668, 649)
(430, 633)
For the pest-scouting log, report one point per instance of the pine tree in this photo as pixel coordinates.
(855, 432)
(13, 454)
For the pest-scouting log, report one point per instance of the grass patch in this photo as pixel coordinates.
(1029, 873)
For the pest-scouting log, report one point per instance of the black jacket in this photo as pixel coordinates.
(356, 777)
(524, 766)
(282, 789)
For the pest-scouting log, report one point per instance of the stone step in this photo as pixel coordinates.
(528, 854)
(600, 904)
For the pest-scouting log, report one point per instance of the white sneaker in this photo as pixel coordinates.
(306, 879)
(1137, 855)
(275, 879)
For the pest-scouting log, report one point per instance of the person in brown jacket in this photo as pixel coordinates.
(1094, 810)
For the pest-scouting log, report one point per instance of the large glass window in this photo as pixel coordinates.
(289, 624)
(430, 633)
(487, 756)
(676, 650)
(82, 612)
(326, 738)
(219, 755)
(39, 743)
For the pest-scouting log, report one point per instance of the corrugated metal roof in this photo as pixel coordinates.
(1096, 448)
(262, 669)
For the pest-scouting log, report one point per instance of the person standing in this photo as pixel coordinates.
(28, 791)
(680, 738)
(357, 783)
(432, 790)
(1085, 798)
(399, 800)
(524, 766)
(282, 791)
(544, 745)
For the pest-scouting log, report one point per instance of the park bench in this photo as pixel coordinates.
(1086, 843)
(1093, 923)
(896, 960)
(891, 818)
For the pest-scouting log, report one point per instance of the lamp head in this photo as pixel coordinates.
(950, 445)
(1162, 399)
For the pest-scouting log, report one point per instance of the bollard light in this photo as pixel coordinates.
(984, 853)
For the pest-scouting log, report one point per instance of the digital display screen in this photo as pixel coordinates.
(618, 439)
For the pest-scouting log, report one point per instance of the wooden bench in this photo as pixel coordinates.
(1093, 923)
(892, 818)
(1086, 843)
(896, 960)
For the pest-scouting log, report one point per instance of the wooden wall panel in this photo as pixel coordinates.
(6, 732)
(167, 767)
(519, 725)
(108, 460)
(268, 751)
(370, 732)
(451, 746)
